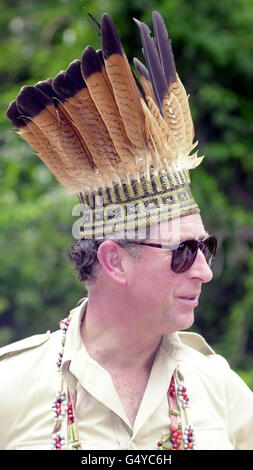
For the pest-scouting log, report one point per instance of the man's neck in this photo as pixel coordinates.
(113, 337)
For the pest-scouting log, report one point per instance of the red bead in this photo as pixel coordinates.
(160, 443)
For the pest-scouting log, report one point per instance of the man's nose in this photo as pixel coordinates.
(200, 268)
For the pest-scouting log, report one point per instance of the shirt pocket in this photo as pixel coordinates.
(212, 439)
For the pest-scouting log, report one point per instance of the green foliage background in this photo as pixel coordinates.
(213, 47)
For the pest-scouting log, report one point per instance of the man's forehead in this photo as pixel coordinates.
(178, 229)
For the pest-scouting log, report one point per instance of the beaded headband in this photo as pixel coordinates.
(123, 145)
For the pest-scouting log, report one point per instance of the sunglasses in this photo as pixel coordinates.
(184, 255)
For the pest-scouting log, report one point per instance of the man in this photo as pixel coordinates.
(120, 374)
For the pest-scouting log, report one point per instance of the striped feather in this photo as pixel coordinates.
(125, 90)
(107, 108)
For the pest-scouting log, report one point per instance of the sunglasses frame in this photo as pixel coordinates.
(198, 244)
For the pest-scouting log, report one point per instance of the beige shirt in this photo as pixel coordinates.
(221, 405)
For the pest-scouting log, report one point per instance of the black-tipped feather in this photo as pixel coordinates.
(110, 40)
(46, 87)
(90, 63)
(73, 76)
(67, 83)
(62, 86)
(31, 101)
(13, 115)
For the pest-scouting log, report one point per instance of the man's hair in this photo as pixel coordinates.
(83, 255)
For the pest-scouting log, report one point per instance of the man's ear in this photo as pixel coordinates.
(110, 255)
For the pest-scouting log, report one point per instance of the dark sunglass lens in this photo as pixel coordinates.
(184, 256)
(209, 249)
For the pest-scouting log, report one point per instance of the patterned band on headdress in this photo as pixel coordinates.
(126, 210)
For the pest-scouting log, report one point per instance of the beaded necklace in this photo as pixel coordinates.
(65, 401)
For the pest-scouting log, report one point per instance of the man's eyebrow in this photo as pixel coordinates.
(201, 237)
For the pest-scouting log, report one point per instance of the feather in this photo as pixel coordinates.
(166, 135)
(153, 137)
(39, 142)
(144, 78)
(175, 120)
(103, 69)
(153, 63)
(171, 97)
(163, 46)
(46, 87)
(81, 109)
(175, 87)
(126, 92)
(178, 90)
(63, 138)
(105, 103)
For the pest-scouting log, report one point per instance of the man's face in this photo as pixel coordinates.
(161, 296)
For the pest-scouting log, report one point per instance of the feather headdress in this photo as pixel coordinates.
(108, 136)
